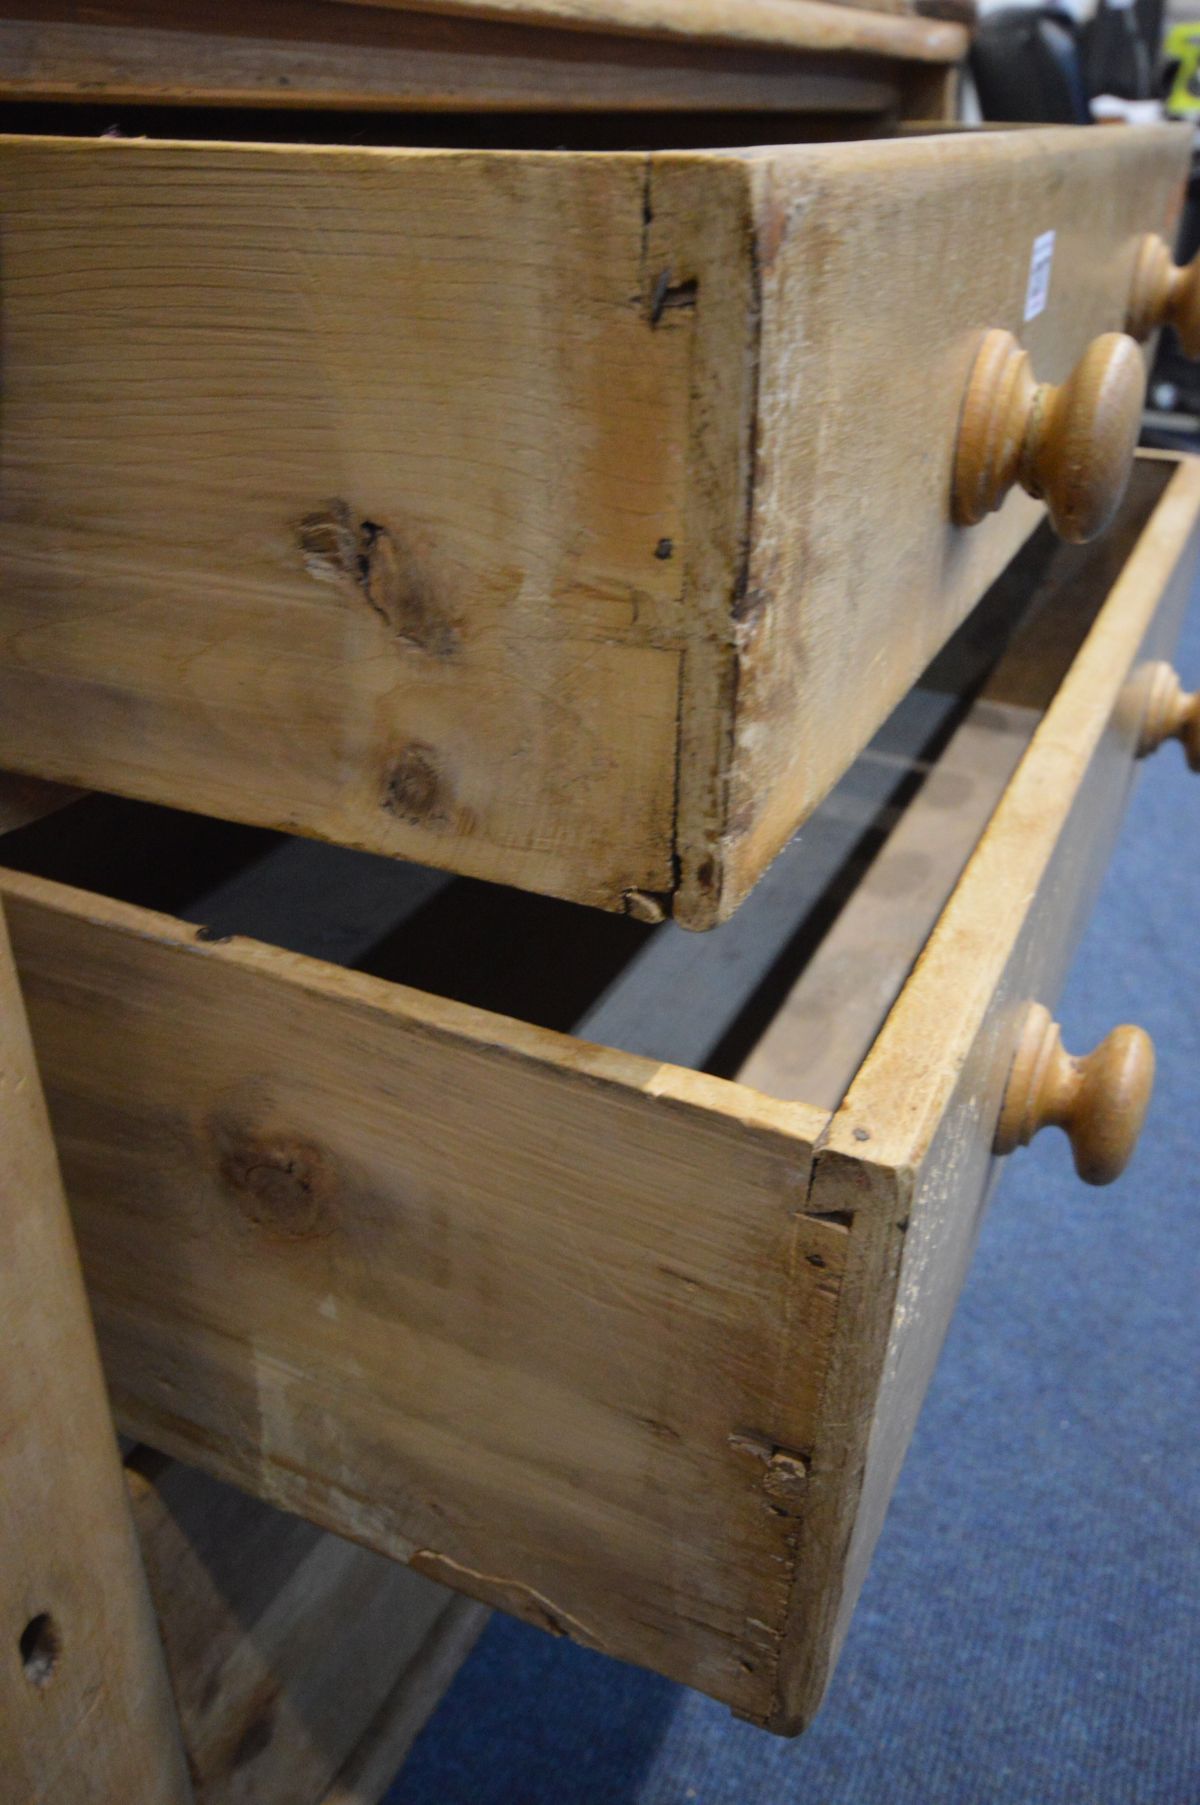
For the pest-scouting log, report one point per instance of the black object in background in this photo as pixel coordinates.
(1116, 55)
(1027, 67)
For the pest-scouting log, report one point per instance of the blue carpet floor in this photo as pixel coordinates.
(1030, 1632)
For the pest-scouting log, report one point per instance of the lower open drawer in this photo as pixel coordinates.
(623, 1328)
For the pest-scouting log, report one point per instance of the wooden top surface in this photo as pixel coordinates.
(888, 27)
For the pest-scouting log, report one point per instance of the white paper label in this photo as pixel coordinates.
(1037, 291)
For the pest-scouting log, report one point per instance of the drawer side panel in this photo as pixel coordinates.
(483, 1298)
(339, 494)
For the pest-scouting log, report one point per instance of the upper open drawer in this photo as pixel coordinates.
(567, 519)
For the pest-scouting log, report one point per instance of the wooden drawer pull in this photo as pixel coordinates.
(1164, 293)
(1171, 714)
(1100, 1100)
(1071, 446)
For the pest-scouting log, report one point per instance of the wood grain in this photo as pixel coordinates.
(480, 1296)
(909, 1154)
(307, 54)
(1165, 293)
(589, 1337)
(85, 1709)
(396, 584)
(605, 608)
(1069, 444)
(855, 578)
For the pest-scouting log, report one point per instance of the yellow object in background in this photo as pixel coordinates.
(1183, 47)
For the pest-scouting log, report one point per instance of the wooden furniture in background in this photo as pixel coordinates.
(85, 1708)
(626, 1348)
(805, 58)
(603, 607)
(302, 1666)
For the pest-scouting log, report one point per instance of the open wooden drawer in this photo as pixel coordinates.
(568, 519)
(629, 1346)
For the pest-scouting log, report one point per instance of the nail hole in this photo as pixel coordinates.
(40, 1645)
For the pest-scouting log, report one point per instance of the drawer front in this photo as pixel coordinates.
(910, 1155)
(882, 267)
(624, 1348)
(570, 521)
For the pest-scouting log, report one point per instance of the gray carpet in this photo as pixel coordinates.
(1030, 1632)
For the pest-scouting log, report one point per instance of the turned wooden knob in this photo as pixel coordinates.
(1165, 294)
(1100, 1100)
(1171, 714)
(1071, 446)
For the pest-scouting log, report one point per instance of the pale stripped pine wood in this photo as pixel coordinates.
(581, 1335)
(295, 1657)
(502, 693)
(910, 1152)
(308, 53)
(818, 1037)
(483, 1297)
(883, 264)
(85, 1709)
(506, 531)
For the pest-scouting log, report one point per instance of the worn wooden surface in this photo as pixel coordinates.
(882, 266)
(794, 55)
(484, 1297)
(909, 1154)
(310, 54)
(294, 1656)
(85, 1708)
(571, 1330)
(407, 598)
(512, 622)
(1036, 615)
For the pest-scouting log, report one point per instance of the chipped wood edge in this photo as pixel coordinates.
(702, 233)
